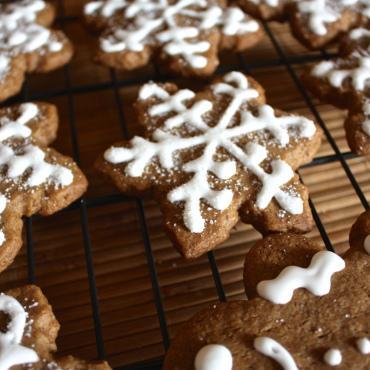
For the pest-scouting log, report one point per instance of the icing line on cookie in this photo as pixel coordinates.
(18, 128)
(358, 76)
(11, 351)
(271, 348)
(316, 278)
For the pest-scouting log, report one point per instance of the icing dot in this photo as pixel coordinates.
(333, 357)
(363, 345)
(213, 357)
(367, 244)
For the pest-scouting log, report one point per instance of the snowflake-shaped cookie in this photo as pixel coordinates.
(308, 308)
(186, 34)
(29, 337)
(345, 82)
(207, 155)
(27, 44)
(33, 178)
(314, 22)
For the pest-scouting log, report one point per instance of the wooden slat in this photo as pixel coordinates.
(129, 319)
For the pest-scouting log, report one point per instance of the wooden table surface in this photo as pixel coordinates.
(85, 95)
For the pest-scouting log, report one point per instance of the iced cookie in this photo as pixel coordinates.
(315, 23)
(212, 157)
(27, 44)
(345, 83)
(29, 330)
(33, 178)
(185, 35)
(308, 309)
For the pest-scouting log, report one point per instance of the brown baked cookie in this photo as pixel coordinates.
(27, 44)
(29, 330)
(345, 83)
(211, 157)
(33, 177)
(186, 35)
(308, 309)
(315, 23)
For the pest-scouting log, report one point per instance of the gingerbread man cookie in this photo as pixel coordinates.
(315, 23)
(33, 177)
(345, 83)
(29, 330)
(185, 34)
(27, 44)
(308, 309)
(211, 157)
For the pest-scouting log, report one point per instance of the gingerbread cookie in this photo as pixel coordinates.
(345, 83)
(185, 35)
(33, 177)
(308, 309)
(211, 157)
(27, 44)
(29, 330)
(315, 23)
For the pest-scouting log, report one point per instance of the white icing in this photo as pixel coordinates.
(104, 8)
(359, 33)
(213, 357)
(18, 128)
(365, 124)
(272, 3)
(315, 278)
(271, 348)
(165, 146)
(11, 351)
(333, 357)
(363, 345)
(3, 203)
(367, 244)
(358, 76)
(319, 14)
(33, 158)
(153, 21)
(27, 162)
(4, 65)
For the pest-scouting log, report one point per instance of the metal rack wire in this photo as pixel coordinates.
(83, 205)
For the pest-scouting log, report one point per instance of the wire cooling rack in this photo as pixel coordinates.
(69, 92)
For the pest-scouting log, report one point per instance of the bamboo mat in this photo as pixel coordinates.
(129, 321)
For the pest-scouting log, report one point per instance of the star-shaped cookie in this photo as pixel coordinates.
(212, 157)
(27, 44)
(315, 23)
(185, 35)
(345, 83)
(33, 178)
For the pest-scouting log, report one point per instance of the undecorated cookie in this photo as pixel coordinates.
(33, 178)
(185, 35)
(27, 44)
(308, 308)
(212, 157)
(29, 330)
